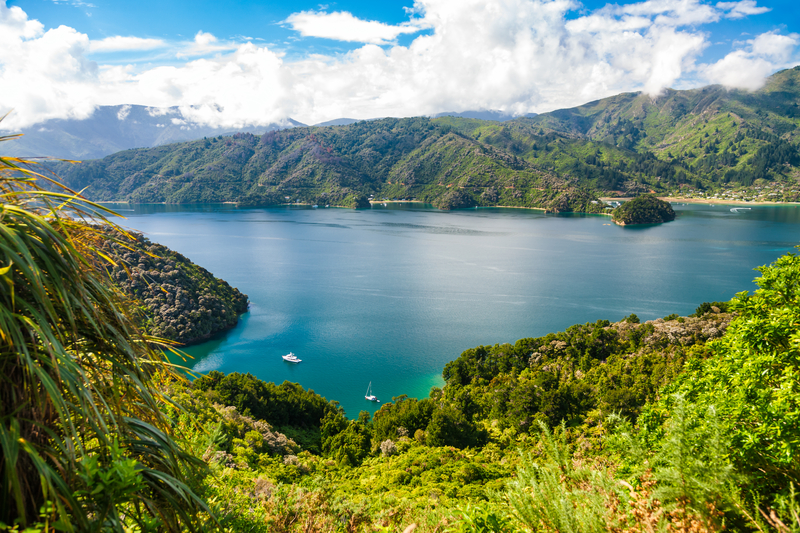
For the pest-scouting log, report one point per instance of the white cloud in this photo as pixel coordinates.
(774, 46)
(15, 25)
(670, 12)
(123, 112)
(737, 10)
(343, 26)
(120, 44)
(516, 56)
(76, 3)
(204, 44)
(43, 74)
(748, 67)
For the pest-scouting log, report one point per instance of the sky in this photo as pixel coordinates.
(240, 62)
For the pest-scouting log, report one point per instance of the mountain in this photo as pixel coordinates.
(113, 128)
(708, 137)
(389, 158)
(685, 142)
(497, 116)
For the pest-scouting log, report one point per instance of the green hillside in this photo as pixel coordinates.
(713, 135)
(338, 165)
(697, 142)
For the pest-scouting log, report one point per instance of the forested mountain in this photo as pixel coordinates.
(701, 139)
(704, 137)
(341, 165)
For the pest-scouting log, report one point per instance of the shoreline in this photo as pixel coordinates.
(518, 207)
(671, 199)
(707, 201)
(396, 202)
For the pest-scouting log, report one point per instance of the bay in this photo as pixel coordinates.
(389, 295)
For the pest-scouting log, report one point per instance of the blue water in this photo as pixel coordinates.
(390, 295)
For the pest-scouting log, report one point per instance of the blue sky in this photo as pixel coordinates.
(264, 21)
(244, 61)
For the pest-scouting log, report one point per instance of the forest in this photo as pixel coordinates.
(681, 424)
(174, 298)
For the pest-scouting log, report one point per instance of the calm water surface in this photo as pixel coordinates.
(391, 294)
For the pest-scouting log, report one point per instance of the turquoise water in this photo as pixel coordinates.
(390, 295)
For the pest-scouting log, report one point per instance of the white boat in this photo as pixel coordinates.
(369, 396)
(291, 358)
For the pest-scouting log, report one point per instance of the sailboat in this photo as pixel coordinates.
(369, 396)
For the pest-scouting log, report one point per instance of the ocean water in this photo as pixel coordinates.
(389, 295)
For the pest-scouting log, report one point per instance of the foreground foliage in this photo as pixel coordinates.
(85, 444)
(683, 424)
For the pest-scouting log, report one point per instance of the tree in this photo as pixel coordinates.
(752, 381)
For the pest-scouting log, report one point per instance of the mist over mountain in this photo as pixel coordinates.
(494, 115)
(705, 139)
(111, 129)
(497, 116)
(337, 122)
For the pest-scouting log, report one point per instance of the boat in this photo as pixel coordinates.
(291, 358)
(369, 396)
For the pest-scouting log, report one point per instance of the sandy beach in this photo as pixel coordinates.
(708, 201)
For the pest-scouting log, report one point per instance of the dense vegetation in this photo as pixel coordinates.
(678, 424)
(644, 209)
(178, 300)
(85, 444)
(702, 138)
(699, 141)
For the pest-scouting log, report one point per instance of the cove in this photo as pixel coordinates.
(389, 295)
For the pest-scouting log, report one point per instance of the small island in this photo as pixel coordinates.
(644, 209)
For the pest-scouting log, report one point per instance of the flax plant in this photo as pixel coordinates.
(84, 445)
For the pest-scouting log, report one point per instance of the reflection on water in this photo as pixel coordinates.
(391, 294)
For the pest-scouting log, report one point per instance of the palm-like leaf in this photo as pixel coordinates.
(79, 402)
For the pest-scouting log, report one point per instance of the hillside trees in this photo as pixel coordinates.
(180, 300)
